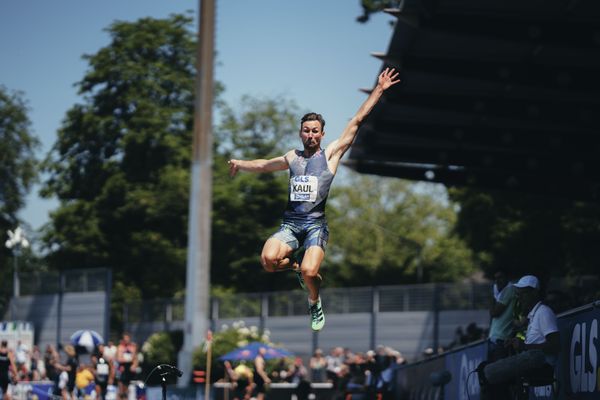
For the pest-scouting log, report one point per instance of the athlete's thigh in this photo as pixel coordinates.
(275, 248)
(313, 257)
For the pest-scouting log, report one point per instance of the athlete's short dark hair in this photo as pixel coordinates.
(312, 116)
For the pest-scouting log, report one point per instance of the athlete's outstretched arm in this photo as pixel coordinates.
(259, 165)
(337, 148)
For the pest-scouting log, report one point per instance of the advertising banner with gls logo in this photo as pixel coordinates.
(578, 369)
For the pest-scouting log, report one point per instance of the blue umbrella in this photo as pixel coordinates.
(87, 339)
(250, 351)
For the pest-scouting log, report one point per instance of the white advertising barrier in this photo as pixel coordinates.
(13, 331)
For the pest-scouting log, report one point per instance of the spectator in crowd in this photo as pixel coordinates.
(341, 382)
(65, 383)
(501, 313)
(260, 375)
(51, 358)
(84, 381)
(318, 365)
(474, 333)
(334, 364)
(38, 367)
(232, 377)
(536, 355)
(71, 368)
(110, 352)
(357, 381)
(8, 367)
(127, 360)
(428, 352)
(22, 358)
(297, 371)
(245, 381)
(104, 371)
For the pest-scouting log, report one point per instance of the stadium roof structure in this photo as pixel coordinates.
(495, 94)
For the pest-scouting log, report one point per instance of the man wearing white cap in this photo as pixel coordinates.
(538, 353)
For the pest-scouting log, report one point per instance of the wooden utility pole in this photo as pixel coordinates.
(199, 233)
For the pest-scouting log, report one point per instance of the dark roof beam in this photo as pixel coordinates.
(573, 11)
(572, 188)
(439, 83)
(566, 166)
(441, 45)
(436, 117)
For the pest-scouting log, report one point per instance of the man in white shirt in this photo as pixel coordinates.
(537, 353)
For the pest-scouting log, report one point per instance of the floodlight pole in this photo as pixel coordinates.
(200, 205)
(16, 242)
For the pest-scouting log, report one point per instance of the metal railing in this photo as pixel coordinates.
(70, 281)
(422, 297)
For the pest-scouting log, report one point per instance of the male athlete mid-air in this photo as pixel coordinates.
(311, 172)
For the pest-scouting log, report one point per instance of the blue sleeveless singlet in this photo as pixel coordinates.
(310, 180)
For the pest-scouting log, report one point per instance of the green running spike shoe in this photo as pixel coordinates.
(317, 316)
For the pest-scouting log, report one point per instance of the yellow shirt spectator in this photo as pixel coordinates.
(83, 378)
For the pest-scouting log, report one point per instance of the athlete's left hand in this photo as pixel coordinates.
(388, 78)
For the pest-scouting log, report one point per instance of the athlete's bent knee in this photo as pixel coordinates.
(310, 272)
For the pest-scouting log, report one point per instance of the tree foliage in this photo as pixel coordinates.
(18, 161)
(18, 171)
(247, 209)
(388, 231)
(120, 165)
(120, 168)
(372, 6)
(529, 234)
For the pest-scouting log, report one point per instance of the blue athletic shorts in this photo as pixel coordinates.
(305, 233)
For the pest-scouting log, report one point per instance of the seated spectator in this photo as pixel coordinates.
(537, 354)
(474, 333)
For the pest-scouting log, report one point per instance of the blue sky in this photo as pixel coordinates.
(311, 51)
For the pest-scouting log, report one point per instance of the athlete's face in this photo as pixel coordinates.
(311, 134)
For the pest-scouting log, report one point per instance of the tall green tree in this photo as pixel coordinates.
(17, 155)
(18, 172)
(120, 165)
(120, 168)
(389, 231)
(529, 234)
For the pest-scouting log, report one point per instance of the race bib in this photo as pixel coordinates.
(304, 188)
(102, 369)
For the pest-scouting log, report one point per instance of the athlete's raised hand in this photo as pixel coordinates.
(388, 78)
